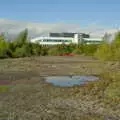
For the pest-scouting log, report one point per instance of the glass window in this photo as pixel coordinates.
(53, 40)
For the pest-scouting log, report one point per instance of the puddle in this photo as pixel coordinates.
(69, 81)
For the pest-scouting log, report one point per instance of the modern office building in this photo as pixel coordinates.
(92, 40)
(66, 38)
(66, 34)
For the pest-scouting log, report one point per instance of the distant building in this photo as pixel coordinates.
(66, 34)
(92, 40)
(66, 38)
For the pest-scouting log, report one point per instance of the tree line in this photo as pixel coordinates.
(22, 47)
(109, 51)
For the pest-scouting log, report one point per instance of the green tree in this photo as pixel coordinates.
(116, 41)
(71, 47)
(4, 47)
(36, 49)
(2, 37)
(116, 46)
(20, 52)
(22, 38)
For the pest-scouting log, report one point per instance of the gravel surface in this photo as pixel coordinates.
(30, 98)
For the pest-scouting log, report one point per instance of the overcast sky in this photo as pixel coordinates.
(42, 29)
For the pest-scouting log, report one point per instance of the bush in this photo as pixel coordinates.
(53, 51)
(35, 49)
(76, 51)
(4, 49)
(20, 52)
(104, 52)
(44, 50)
(90, 49)
(109, 51)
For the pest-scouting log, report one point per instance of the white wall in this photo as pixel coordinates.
(76, 39)
(52, 43)
(36, 40)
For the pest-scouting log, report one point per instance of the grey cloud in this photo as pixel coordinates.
(38, 29)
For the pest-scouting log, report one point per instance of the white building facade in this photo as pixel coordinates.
(52, 40)
(66, 38)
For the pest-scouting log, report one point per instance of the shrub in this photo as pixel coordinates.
(90, 49)
(104, 52)
(109, 51)
(44, 51)
(4, 47)
(20, 52)
(76, 51)
(35, 49)
(116, 55)
(53, 51)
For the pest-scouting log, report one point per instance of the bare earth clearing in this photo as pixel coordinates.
(30, 98)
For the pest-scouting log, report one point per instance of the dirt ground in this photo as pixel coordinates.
(31, 98)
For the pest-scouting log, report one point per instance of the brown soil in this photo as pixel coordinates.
(31, 98)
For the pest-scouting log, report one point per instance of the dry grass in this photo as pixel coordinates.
(31, 98)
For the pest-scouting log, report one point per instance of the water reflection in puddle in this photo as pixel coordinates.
(69, 81)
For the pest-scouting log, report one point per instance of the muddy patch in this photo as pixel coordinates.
(17, 75)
